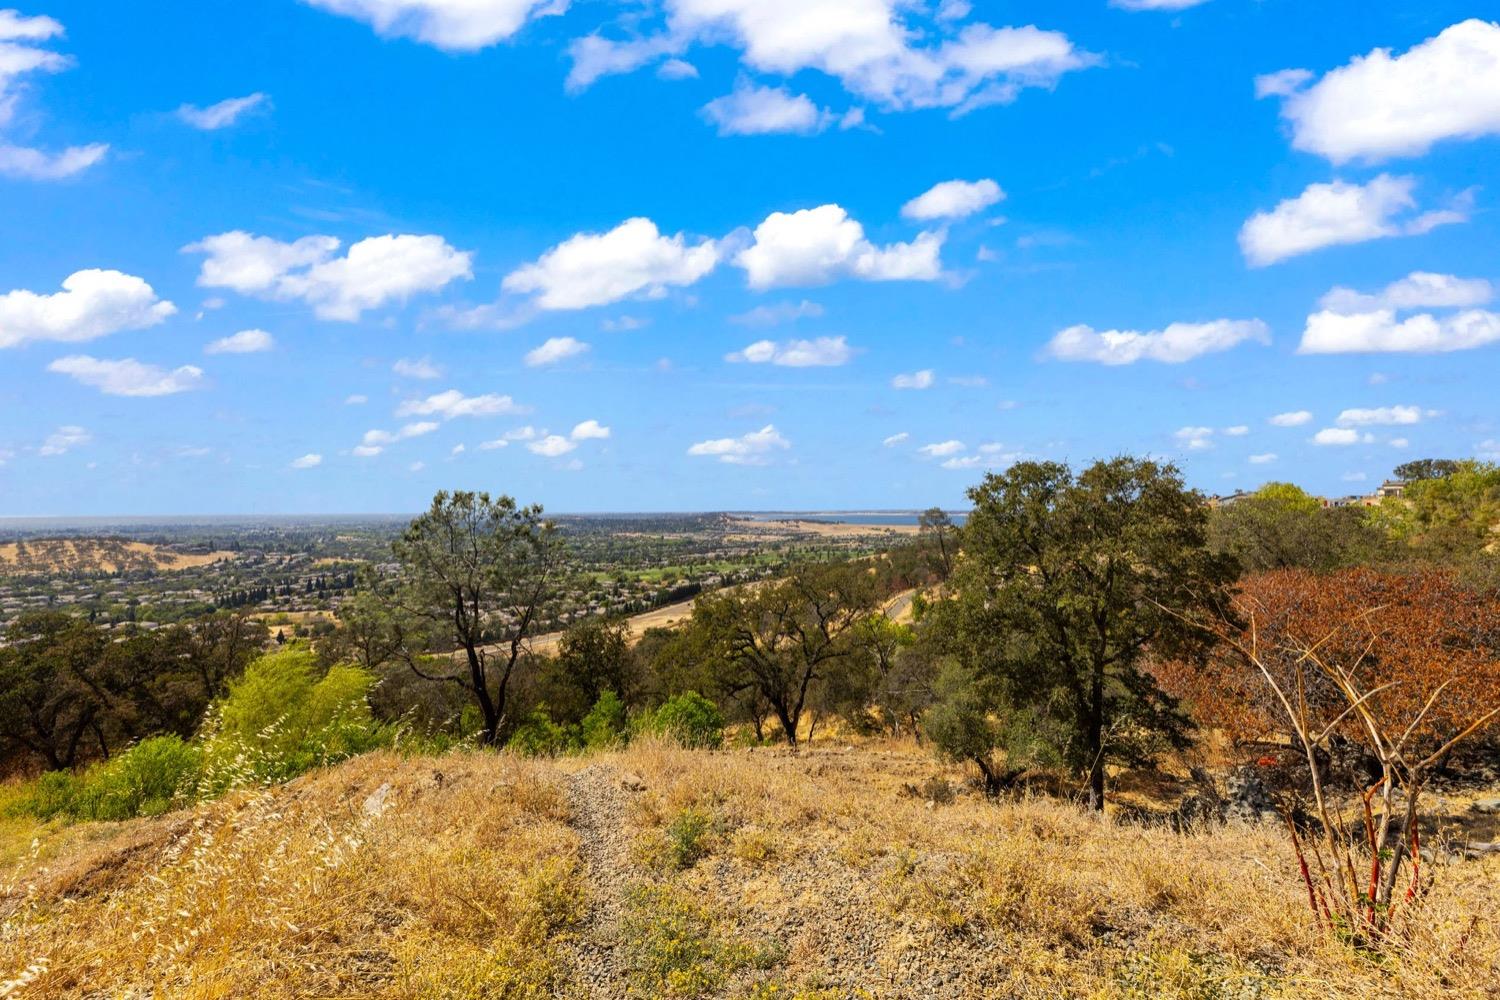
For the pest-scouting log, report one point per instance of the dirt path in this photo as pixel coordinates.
(599, 805)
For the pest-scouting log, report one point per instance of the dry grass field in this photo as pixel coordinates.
(658, 872)
(96, 555)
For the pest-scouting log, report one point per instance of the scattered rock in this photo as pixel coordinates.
(378, 800)
(1248, 799)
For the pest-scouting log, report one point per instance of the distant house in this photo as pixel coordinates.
(1231, 499)
(1391, 488)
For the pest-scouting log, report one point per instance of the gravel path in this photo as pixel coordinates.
(599, 809)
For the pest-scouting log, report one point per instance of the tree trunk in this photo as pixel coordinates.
(1094, 743)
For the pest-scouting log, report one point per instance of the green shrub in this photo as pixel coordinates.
(281, 718)
(52, 794)
(686, 837)
(539, 736)
(146, 780)
(690, 719)
(604, 726)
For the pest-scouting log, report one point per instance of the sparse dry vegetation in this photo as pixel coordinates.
(813, 875)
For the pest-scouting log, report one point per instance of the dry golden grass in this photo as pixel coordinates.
(98, 555)
(816, 876)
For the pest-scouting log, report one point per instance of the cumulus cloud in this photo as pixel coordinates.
(821, 352)
(941, 449)
(309, 461)
(755, 448)
(589, 430)
(1340, 213)
(92, 304)
(1294, 418)
(1195, 438)
(452, 404)
(374, 272)
(780, 312)
(422, 368)
(1418, 290)
(244, 342)
(1155, 4)
(815, 246)
(64, 439)
(757, 110)
(923, 379)
(595, 269)
(127, 376)
(1178, 343)
(22, 53)
(896, 439)
(356, 399)
(554, 351)
(1380, 106)
(223, 114)
(953, 200)
(1340, 437)
(1266, 458)
(451, 25)
(376, 441)
(552, 446)
(878, 50)
(1353, 323)
(1238, 430)
(1383, 416)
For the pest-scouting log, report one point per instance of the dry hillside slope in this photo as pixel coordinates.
(660, 872)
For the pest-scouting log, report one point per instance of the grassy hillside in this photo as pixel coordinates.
(662, 872)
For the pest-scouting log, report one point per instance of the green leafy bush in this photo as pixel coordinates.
(605, 725)
(539, 736)
(146, 780)
(690, 719)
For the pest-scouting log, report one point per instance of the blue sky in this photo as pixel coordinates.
(332, 255)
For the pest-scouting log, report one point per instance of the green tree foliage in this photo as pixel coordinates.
(780, 639)
(1067, 582)
(1426, 468)
(689, 718)
(594, 657)
(606, 725)
(938, 541)
(1282, 527)
(479, 572)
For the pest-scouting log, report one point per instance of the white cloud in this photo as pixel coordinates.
(1339, 213)
(923, 379)
(376, 441)
(815, 246)
(356, 399)
(452, 404)
(422, 368)
(92, 304)
(754, 448)
(555, 350)
(1330, 332)
(451, 25)
(222, 114)
(590, 430)
(1263, 459)
(1155, 4)
(35, 165)
(1381, 106)
(373, 272)
(1340, 437)
(244, 342)
(64, 439)
(1294, 418)
(896, 439)
(552, 446)
(1418, 290)
(953, 200)
(870, 46)
(756, 110)
(1382, 416)
(781, 312)
(1195, 438)
(821, 352)
(416, 467)
(677, 69)
(128, 377)
(942, 449)
(21, 54)
(1489, 450)
(1238, 430)
(595, 269)
(309, 461)
(1399, 443)
(1178, 343)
